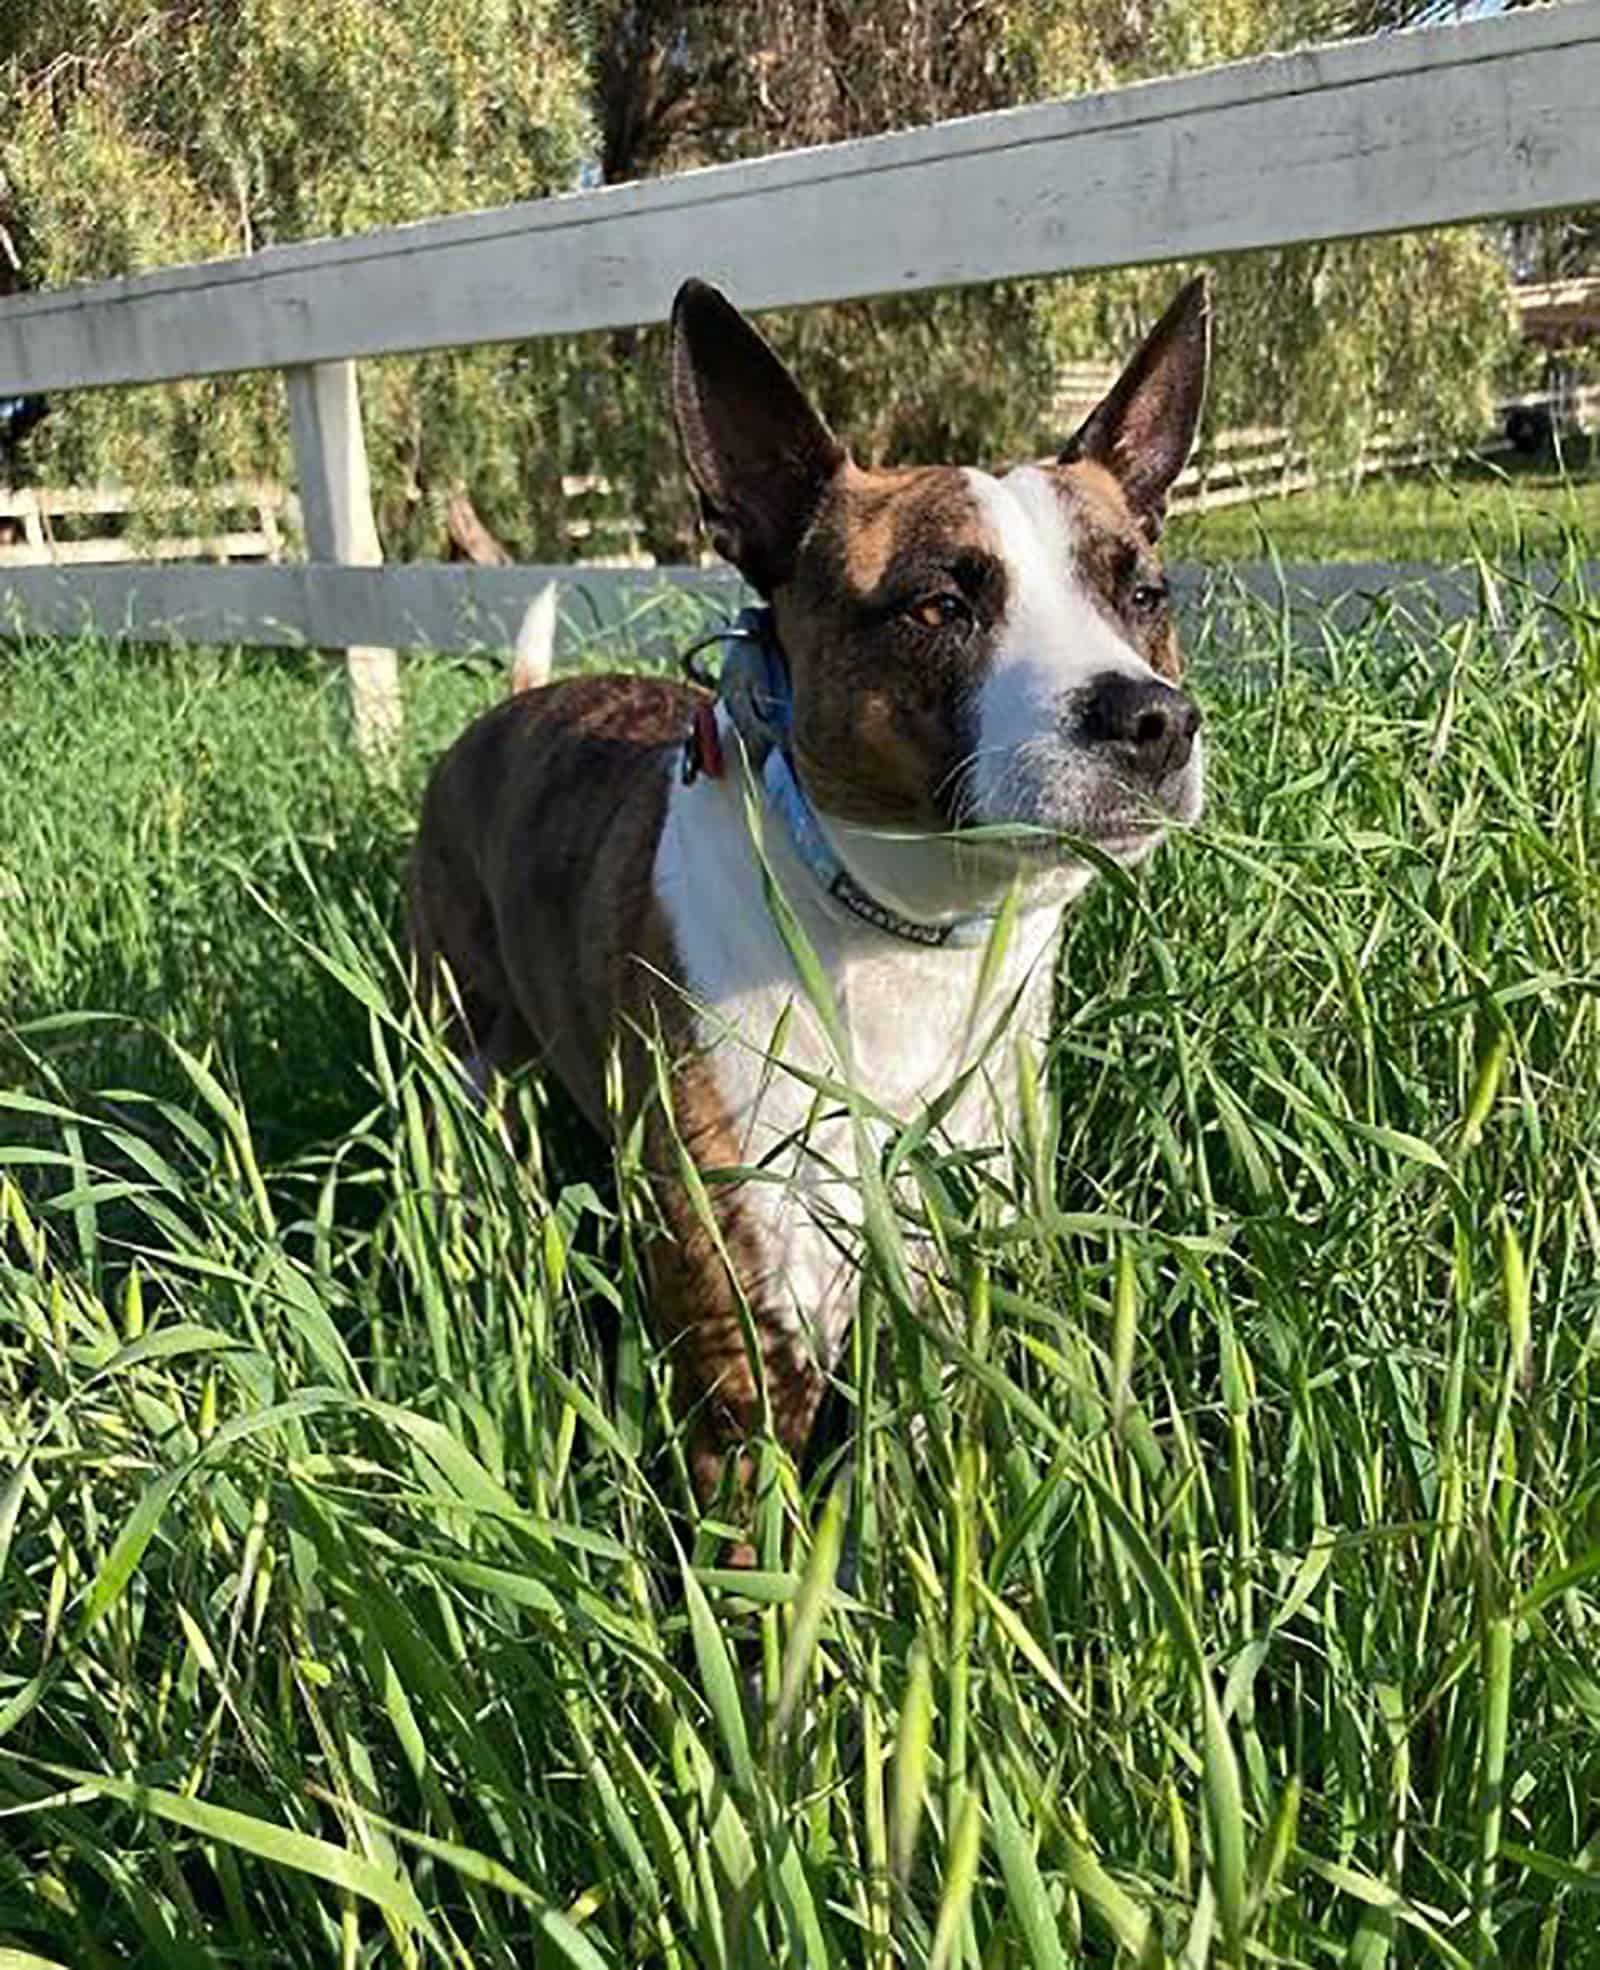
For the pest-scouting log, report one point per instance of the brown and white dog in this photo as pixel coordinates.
(964, 652)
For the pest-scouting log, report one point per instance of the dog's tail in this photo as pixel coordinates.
(534, 656)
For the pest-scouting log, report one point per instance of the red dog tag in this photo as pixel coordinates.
(702, 746)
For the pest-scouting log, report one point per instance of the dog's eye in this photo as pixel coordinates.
(939, 611)
(1148, 596)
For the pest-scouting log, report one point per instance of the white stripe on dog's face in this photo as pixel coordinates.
(1055, 637)
(1060, 637)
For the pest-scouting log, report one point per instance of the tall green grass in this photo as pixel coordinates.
(1222, 1524)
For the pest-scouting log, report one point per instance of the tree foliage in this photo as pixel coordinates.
(139, 132)
(964, 374)
(142, 132)
(1328, 339)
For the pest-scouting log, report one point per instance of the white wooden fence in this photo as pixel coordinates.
(1559, 311)
(29, 513)
(1491, 118)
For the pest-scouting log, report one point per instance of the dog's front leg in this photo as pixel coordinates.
(739, 1367)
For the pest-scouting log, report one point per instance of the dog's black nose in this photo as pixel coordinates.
(1150, 725)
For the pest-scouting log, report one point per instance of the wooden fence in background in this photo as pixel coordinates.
(1560, 311)
(1489, 118)
(29, 514)
(1253, 463)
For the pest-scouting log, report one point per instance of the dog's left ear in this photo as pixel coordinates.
(759, 455)
(1143, 431)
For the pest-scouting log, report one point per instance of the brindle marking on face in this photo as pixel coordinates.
(1114, 559)
(882, 699)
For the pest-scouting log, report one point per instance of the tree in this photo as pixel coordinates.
(678, 83)
(134, 133)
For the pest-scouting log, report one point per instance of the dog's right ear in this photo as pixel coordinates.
(1144, 431)
(759, 455)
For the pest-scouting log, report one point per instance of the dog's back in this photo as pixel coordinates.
(530, 880)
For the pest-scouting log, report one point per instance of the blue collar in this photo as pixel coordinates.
(753, 686)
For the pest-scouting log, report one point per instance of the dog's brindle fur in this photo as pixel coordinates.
(963, 649)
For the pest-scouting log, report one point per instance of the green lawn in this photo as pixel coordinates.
(1227, 1519)
(1504, 505)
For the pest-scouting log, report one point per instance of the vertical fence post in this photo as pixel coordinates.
(33, 532)
(330, 454)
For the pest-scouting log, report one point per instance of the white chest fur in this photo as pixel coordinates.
(911, 1022)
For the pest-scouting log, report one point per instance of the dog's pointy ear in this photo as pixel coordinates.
(1143, 430)
(759, 455)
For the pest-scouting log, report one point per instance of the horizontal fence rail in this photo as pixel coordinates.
(29, 512)
(1559, 311)
(651, 611)
(1482, 120)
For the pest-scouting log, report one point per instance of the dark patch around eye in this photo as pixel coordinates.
(1125, 564)
(979, 576)
(975, 581)
(1112, 558)
(941, 610)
